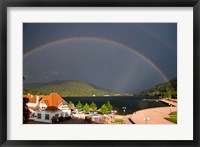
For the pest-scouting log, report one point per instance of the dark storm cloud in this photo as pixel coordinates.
(100, 63)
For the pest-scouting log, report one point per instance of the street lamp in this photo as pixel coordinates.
(146, 119)
(124, 109)
(170, 108)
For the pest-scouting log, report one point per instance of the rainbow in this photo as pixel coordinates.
(157, 37)
(103, 40)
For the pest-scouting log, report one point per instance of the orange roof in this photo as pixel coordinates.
(34, 108)
(52, 101)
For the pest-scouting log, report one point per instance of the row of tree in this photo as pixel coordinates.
(165, 90)
(104, 109)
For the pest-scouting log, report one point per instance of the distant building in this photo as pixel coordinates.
(117, 94)
(44, 108)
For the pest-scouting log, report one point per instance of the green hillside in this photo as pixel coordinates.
(69, 88)
(168, 89)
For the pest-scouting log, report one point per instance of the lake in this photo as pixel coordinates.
(132, 103)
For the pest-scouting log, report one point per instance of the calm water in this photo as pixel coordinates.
(131, 103)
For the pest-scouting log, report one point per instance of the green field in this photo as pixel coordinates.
(172, 117)
(118, 121)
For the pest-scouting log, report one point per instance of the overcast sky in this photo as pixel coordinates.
(103, 54)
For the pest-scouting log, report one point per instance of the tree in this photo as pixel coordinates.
(103, 109)
(26, 111)
(79, 105)
(109, 106)
(86, 108)
(167, 94)
(93, 106)
(70, 105)
(174, 94)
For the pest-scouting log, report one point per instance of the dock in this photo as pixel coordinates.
(169, 101)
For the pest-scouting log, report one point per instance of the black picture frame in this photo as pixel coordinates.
(97, 3)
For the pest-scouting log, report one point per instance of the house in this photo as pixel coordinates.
(44, 108)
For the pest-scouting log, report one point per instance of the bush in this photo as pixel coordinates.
(68, 118)
(54, 119)
(60, 119)
(26, 111)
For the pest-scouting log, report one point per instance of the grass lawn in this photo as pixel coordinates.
(173, 113)
(118, 121)
(172, 117)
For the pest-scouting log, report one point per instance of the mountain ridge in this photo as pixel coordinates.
(70, 88)
(167, 89)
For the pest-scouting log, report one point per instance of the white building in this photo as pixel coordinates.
(46, 116)
(44, 108)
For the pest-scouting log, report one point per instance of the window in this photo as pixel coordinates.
(57, 115)
(39, 116)
(66, 114)
(33, 115)
(46, 116)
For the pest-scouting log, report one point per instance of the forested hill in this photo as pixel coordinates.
(69, 88)
(168, 89)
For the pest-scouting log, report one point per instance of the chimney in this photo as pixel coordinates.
(37, 99)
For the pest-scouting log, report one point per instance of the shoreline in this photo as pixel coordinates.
(155, 115)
